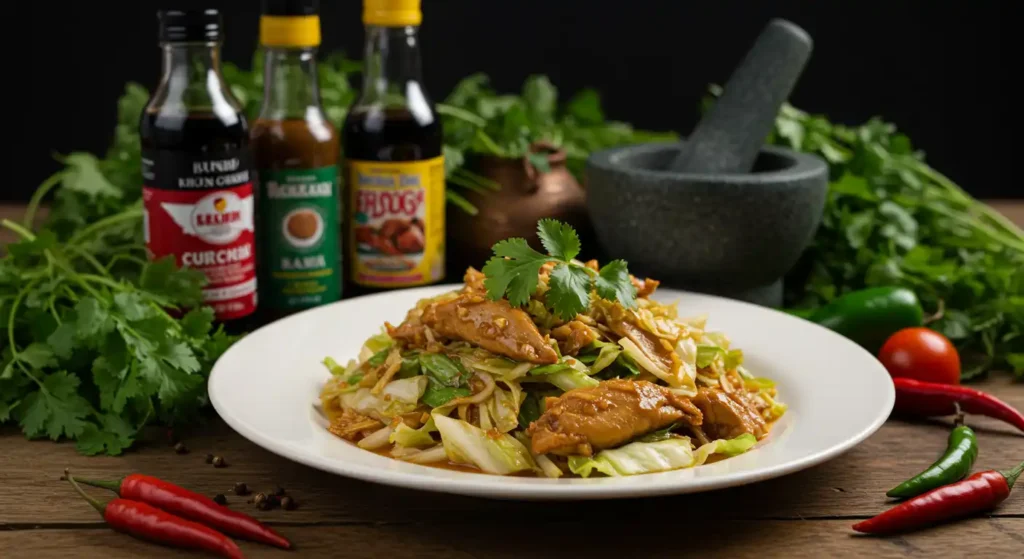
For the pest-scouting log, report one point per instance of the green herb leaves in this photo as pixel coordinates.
(447, 379)
(92, 356)
(891, 219)
(513, 272)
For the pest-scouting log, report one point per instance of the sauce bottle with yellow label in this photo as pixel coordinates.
(394, 169)
(297, 153)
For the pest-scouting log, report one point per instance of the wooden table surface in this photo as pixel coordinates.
(807, 513)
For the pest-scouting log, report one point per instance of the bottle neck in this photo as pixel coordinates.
(192, 80)
(290, 84)
(392, 64)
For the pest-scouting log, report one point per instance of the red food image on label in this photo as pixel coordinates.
(212, 232)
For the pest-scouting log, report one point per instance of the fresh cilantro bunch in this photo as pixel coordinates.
(513, 272)
(91, 351)
(891, 219)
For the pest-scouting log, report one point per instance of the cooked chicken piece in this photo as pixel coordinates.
(728, 415)
(492, 325)
(644, 287)
(585, 420)
(410, 333)
(474, 280)
(573, 337)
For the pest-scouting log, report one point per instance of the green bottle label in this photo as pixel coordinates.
(300, 259)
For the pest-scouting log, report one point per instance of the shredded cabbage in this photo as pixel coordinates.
(501, 411)
(706, 355)
(398, 397)
(684, 378)
(466, 444)
(687, 350)
(728, 447)
(658, 456)
(375, 344)
(609, 352)
(636, 458)
(408, 437)
(566, 378)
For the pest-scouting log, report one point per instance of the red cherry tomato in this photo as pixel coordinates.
(921, 354)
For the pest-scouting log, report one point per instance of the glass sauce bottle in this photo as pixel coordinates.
(196, 168)
(394, 165)
(297, 155)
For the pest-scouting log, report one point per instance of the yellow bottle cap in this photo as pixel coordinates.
(392, 13)
(290, 31)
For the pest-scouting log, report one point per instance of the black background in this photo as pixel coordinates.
(937, 69)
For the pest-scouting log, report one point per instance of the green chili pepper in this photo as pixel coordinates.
(870, 316)
(954, 465)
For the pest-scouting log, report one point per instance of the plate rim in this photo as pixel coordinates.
(477, 485)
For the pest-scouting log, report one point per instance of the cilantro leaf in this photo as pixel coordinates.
(197, 322)
(62, 340)
(516, 248)
(132, 306)
(559, 239)
(83, 175)
(93, 318)
(115, 436)
(570, 290)
(613, 284)
(514, 270)
(55, 409)
(169, 285)
(178, 355)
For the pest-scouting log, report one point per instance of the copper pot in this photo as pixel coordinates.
(526, 196)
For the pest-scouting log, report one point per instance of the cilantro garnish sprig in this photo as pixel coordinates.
(514, 269)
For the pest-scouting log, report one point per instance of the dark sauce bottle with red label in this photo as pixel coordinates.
(197, 170)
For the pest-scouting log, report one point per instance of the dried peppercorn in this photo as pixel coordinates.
(219, 462)
(241, 488)
(180, 448)
(220, 499)
(287, 503)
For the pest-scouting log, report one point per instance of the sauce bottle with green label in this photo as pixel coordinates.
(297, 152)
(394, 169)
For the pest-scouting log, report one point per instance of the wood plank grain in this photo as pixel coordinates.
(851, 485)
(515, 538)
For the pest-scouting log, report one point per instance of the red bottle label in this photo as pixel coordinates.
(201, 211)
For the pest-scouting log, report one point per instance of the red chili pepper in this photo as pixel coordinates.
(150, 523)
(192, 505)
(930, 399)
(980, 492)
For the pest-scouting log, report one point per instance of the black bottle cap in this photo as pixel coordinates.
(190, 25)
(291, 7)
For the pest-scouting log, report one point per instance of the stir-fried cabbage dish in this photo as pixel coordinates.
(470, 381)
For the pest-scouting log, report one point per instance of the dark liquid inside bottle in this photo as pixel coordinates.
(198, 133)
(389, 135)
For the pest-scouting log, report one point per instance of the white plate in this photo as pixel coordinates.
(838, 394)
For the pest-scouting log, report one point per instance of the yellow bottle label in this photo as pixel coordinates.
(396, 222)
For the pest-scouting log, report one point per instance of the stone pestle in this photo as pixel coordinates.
(730, 135)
